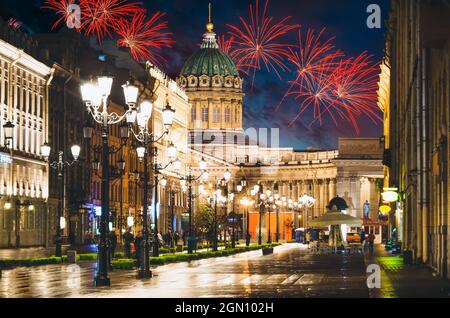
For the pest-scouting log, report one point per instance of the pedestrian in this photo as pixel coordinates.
(112, 243)
(320, 236)
(177, 238)
(362, 237)
(160, 239)
(183, 237)
(308, 237)
(128, 237)
(138, 247)
(371, 240)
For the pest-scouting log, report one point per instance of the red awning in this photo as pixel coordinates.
(369, 222)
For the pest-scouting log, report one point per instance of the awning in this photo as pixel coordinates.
(369, 222)
(335, 217)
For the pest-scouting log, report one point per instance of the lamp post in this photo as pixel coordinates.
(189, 179)
(246, 203)
(306, 201)
(96, 96)
(224, 181)
(148, 140)
(8, 129)
(268, 201)
(19, 204)
(218, 186)
(60, 165)
(258, 190)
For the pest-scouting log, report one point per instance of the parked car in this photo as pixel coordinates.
(353, 238)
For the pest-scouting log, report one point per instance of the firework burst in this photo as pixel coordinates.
(225, 44)
(99, 16)
(258, 42)
(144, 38)
(354, 87)
(311, 57)
(61, 8)
(344, 91)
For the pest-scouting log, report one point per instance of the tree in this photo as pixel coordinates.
(204, 222)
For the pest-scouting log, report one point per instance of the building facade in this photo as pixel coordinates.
(24, 84)
(418, 53)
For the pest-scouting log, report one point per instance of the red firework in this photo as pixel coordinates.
(225, 44)
(144, 38)
(99, 16)
(61, 8)
(258, 41)
(345, 91)
(311, 58)
(312, 92)
(355, 85)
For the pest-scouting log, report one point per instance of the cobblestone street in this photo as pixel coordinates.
(290, 272)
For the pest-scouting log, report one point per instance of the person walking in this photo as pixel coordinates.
(362, 237)
(371, 240)
(177, 238)
(128, 237)
(307, 237)
(138, 247)
(112, 243)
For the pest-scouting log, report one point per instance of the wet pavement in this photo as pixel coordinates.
(290, 272)
(32, 252)
(399, 280)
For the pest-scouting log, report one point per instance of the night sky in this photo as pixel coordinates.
(345, 19)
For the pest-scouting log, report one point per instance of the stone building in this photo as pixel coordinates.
(418, 54)
(24, 86)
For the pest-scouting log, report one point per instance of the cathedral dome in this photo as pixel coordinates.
(210, 67)
(209, 61)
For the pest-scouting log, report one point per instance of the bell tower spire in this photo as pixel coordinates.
(209, 25)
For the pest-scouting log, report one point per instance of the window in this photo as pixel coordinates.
(227, 115)
(205, 114)
(193, 114)
(216, 115)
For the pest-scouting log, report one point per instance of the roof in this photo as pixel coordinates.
(210, 60)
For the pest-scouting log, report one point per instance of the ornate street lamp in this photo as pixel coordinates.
(148, 140)
(95, 95)
(306, 201)
(60, 165)
(186, 182)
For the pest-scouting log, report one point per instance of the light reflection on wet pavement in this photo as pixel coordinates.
(289, 272)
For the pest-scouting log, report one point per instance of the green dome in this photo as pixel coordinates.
(210, 60)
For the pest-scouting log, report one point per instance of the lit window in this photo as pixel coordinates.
(227, 115)
(205, 115)
(216, 115)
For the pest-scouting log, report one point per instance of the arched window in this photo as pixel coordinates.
(193, 113)
(205, 114)
(216, 115)
(227, 115)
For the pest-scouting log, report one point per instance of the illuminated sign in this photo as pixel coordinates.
(98, 210)
(390, 194)
(5, 158)
(385, 209)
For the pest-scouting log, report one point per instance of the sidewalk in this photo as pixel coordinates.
(399, 280)
(36, 252)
